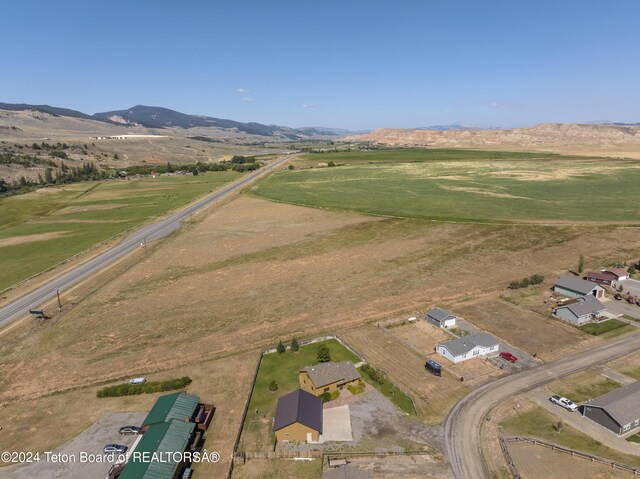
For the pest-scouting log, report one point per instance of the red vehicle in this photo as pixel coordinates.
(509, 357)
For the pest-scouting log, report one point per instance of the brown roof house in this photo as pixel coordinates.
(298, 417)
(600, 278)
(618, 410)
(619, 273)
(327, 377)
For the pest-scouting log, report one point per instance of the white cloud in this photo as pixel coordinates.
(247, 99)
(308, 105)
(501, 106)
(242, 90)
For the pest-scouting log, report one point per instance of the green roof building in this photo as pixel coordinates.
(161, 439)
(178, 405)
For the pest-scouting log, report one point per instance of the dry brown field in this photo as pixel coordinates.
(433, 396)
(253, 272)
(547, 338)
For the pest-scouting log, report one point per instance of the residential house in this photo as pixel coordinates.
(580, 310)
(575, 287)
(600, 278)
(468, 347)
(441, 318)
(327, 377)
(619, 273)
(617, 410)
(298, 417)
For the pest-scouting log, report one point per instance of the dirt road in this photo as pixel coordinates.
(462, 429)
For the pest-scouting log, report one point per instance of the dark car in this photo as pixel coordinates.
(115, 449)
(617, 296)
(130, 430)
(509, 357)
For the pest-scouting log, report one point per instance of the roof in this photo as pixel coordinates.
(329, 373)
(604, 276)
(299, 406)
(465, 344)
(621, 403)
(439, 314)
(585, 306)
(617, 271)
(164, 437)
(172, 406)
(576, 284)
(347, 472)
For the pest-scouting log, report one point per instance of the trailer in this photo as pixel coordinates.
(433, 367)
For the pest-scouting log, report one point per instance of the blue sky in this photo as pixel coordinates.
(351, 64)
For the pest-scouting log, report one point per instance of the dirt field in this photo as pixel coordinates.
(422, 337)
(535, 462)
(521, 327)
(407, 467)
(254, 272)
(629, 365)
(433, 396)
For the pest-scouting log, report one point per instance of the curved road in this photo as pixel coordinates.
(154, 231)
(462, 429)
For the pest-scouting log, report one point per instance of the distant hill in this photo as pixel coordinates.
(158, 117)
(455, 126)
(322, 130)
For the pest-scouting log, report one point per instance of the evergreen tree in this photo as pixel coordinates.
(294, 345)
(581, 264)
(324, 355)
(280, 348)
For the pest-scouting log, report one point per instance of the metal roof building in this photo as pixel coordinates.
(161, 439)
(575, 287)
(618, 410)
(172, 406)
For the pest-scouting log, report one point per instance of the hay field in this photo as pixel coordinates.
(466, 187)
(47, 226)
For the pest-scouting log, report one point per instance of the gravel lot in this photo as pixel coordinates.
(90, 441)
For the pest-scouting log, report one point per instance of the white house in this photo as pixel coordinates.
(468, 347)
(441, 318)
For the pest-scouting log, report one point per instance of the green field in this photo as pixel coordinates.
(45, 227)
(610, 328)
(283, 368)
(464, 185)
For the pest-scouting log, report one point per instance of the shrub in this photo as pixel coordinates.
(127, 389)
(333, 395)
(373, 373)
(324, 355)
(273, 386)
(359, 389)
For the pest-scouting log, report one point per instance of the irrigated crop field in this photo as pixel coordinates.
(466, 186)
(42, 228)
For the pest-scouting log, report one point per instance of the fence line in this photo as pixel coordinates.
(572, 452)
(244, 456)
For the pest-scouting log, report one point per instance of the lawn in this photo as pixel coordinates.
(386, 387)
(283, 368)
(583, 385)
(44, 227)
(614, 327)
(539, 423)
(634, 438)
(463, 185)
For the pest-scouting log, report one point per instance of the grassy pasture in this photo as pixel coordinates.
(42, 228)
(465, 185)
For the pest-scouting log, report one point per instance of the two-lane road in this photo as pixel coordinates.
(154, 231)
(462, 429)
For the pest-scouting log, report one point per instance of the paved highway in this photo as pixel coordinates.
(462, 429)
(154, 231)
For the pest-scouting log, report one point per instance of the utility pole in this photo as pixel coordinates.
(59, 302)
(144, 244)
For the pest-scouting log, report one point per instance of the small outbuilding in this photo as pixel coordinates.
(618, 410)
(468, 347)
(327, 377)
(580, 310)
(298, 417)
(575, 287)
(441, 318)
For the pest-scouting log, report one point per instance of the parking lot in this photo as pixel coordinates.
(91, 441)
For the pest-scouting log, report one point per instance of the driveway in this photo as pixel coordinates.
(91, 441)
(631, 285)
(336, 424)
(622, 307)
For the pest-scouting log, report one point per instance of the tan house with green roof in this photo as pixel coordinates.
(327, 377)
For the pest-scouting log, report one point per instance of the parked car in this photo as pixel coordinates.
(631, 299)
(508, 356)
(130, 430)
(137, 381)
(564, 402)
(115, 449)
(638, 302)
(617, 296)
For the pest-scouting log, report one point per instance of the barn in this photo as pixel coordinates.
(617, 410)
(574, 287)
(441, 318)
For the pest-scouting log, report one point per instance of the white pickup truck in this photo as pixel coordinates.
(137, 381)
(564, 402)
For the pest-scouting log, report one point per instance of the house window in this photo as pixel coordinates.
(627, 427)
(476, 352)
(326, 390)
(637, 422)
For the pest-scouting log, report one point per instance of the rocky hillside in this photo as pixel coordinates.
(578, 138)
